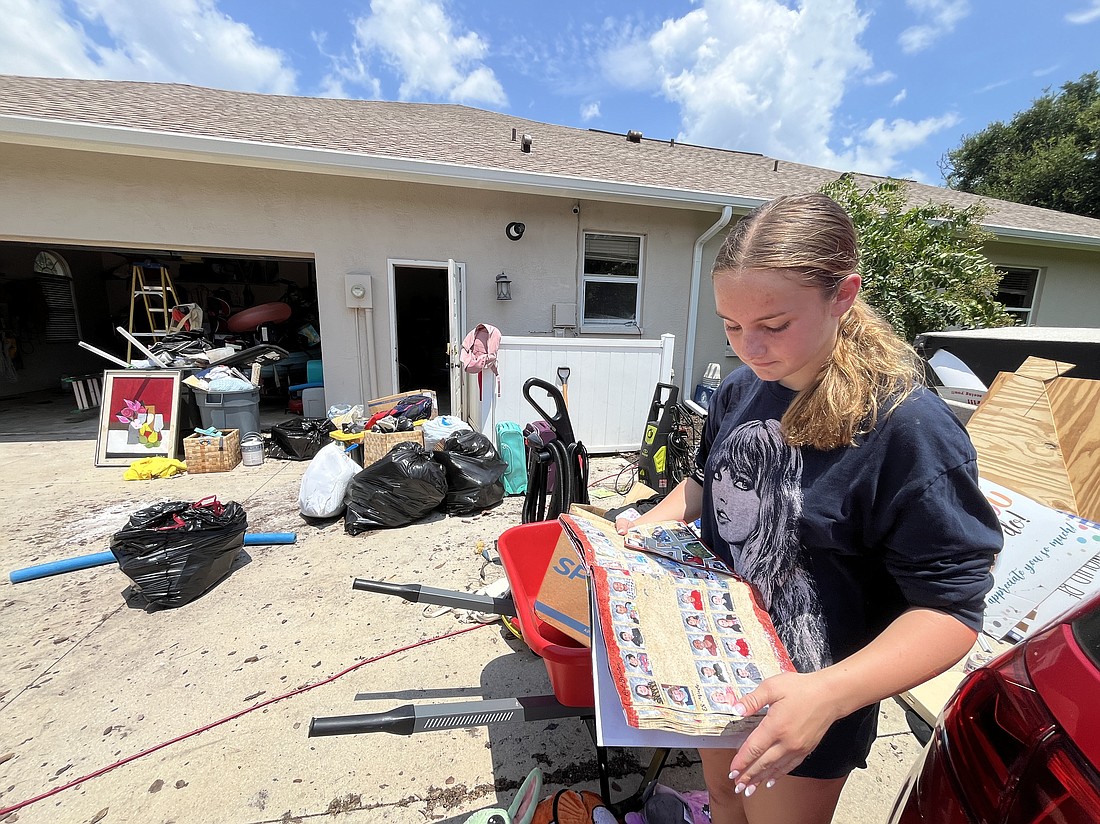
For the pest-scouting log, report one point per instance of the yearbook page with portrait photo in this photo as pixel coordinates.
(685, 638)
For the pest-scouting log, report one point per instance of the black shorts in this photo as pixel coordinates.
(843, 748)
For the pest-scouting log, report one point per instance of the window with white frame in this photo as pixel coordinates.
(1017, 291)
(56, 281)
(611, 283)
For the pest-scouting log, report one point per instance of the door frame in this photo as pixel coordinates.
(456, 314)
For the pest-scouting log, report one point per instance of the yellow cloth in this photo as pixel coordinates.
(145, 469)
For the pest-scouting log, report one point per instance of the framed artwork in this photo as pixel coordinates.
(139, 416)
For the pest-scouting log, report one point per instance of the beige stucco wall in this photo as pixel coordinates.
(350, 225)
(1069, 283)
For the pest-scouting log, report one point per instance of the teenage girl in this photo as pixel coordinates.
(846, 492)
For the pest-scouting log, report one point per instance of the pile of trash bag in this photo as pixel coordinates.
(175, 551)
(462, 478)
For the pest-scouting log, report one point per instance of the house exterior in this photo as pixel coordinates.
(406, 219)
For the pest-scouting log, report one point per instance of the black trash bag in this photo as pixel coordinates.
(401, 487)
(299, 439)
(175, 551)
(475, 473)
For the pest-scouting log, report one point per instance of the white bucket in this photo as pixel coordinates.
(252, 449)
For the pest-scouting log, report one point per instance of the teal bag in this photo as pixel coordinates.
(513, 452)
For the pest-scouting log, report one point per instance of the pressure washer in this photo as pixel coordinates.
(657, 467)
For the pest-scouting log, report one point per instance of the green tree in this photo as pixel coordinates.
(923, 267)
(1048, 155)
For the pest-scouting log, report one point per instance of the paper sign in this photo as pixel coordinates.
(1043, 548)
(1082, 583)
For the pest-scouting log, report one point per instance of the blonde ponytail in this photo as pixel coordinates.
(869, 373)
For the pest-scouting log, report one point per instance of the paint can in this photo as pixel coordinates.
(252, 449)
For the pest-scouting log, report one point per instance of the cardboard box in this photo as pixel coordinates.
(562, 600)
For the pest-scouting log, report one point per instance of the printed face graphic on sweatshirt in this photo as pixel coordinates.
(757, 494)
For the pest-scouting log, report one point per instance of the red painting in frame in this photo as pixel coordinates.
(139, 416)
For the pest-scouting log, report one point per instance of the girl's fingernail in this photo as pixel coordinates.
(749, 790)
(734, 774)
(739, 788)
(739, 709)
(770, 784)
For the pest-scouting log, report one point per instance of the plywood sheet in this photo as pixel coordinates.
(1075, 407)
(1042, 369)
(1017, 442)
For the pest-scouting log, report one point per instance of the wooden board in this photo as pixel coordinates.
(1075, 404)
(1017, 442)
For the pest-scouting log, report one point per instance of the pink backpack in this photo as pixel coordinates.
(479, 352)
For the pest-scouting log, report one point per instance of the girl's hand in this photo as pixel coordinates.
(800, 710)
(626, 519)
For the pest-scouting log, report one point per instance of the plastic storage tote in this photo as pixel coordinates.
(230, 410)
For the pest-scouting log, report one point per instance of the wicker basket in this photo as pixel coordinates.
(378, 444)
(204, 453)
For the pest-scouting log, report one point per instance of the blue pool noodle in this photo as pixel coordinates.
(49, 568)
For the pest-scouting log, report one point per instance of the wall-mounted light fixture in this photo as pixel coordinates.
(504, 287)
(514, 230)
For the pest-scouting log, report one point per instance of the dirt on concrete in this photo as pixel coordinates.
(115, 712)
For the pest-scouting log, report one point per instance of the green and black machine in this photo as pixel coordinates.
(657, 468)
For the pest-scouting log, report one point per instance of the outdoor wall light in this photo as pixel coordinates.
(504, 290)
(514, 230)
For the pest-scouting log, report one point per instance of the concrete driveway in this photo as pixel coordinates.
(200, 713)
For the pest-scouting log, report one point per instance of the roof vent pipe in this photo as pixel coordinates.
(775, 165)
(634, 136)
(513, 135)
(525, 143)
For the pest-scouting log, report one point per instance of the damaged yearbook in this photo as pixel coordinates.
(686, 637)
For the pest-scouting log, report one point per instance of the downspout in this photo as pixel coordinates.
(693, 300)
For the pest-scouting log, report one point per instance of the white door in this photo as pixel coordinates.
(456, 323)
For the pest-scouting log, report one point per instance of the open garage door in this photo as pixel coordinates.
(52, 297)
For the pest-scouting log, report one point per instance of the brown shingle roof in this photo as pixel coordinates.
(462, 136)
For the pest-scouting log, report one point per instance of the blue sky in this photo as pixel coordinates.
(878, 86)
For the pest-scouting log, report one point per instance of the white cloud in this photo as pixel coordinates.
(989, 87)
(1089, 14)
(185, 41)
(757, 75)
(753, 75)
(941, 18)
(900, 96)
(346, 68)
(879, 79)
(880, 143)
(1043, 72)
(419, 43)
(590, 111)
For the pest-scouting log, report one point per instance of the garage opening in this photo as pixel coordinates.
(51, 298)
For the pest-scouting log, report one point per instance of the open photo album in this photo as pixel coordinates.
(685, 636)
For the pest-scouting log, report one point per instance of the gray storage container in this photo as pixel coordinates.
(230, 410)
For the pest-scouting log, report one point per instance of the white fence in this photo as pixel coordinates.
(610, 385)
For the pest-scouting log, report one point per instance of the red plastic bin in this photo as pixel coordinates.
(526, 551)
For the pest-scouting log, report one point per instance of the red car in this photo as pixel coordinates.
(1019, 741)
